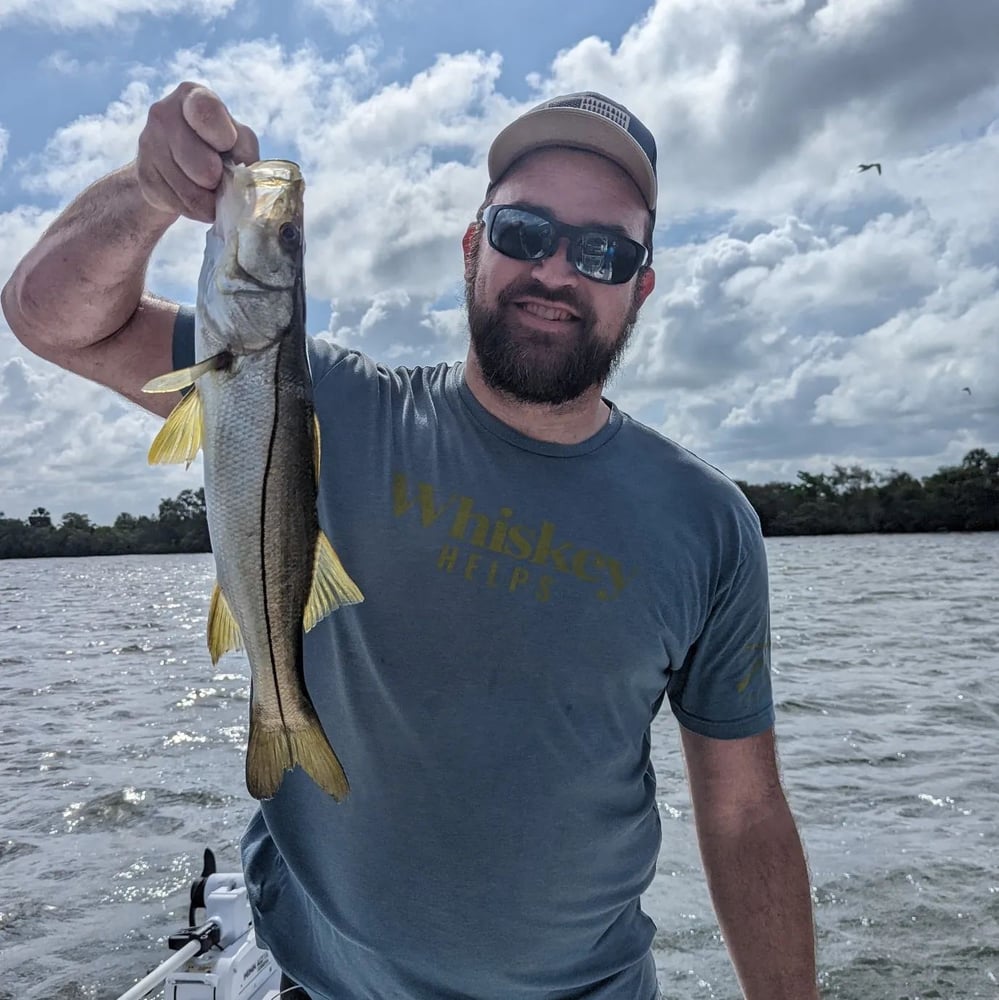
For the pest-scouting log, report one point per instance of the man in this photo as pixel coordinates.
(541, 572)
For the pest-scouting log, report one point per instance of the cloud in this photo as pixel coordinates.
(346, 16)
(66, 64)
(741, 94)
(85, 447)
(379, 182)
(804, 314)
(68, 15)
(88, 148)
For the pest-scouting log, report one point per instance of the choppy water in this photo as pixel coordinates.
(121, 755)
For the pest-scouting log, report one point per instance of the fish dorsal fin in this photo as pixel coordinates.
(183, 377)
(331, 586)
(179, 438)
(316, 445)
(223, 632)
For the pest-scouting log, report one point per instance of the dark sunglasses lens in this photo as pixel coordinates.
(603, 257)
(521, 235)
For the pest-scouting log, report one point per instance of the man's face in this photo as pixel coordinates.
(541, 331)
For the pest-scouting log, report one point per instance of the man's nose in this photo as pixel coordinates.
(556, 269)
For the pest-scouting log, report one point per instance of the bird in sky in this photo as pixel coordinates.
(867, 166)
(967, 390)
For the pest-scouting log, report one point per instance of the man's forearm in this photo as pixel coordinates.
(84, 278)
(759, 884)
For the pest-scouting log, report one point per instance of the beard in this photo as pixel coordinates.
(532, 366)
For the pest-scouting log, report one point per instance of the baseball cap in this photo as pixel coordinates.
(587, 121)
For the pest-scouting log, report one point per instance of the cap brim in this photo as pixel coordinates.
(578, 130)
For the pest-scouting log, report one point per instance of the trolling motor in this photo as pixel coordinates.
(218, 959)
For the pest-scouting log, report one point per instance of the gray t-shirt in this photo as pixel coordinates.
(527, 608)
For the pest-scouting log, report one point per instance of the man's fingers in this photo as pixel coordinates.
(207, 115)
(197, 202)
(180, 150)
(197, 159)
(247, 147)
(166, 187)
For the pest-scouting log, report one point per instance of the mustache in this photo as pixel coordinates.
(534, 289)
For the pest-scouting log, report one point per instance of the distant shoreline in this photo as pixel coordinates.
(849, 501)
(180, 552)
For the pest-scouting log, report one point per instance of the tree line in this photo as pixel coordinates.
(855, 500)
(849, 500)
(181, 525)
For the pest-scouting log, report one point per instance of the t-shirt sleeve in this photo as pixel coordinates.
(723, 687)
(323, 355)
(183, 338)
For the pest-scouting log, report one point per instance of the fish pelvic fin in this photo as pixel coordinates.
(270, 752)
(183, 377)
(223, 632)
(331, 586)
(179, 439)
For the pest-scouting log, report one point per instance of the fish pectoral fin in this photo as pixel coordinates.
(183, 377)
(179, 438)
(223, 632)
(331, 586)
(272, 750)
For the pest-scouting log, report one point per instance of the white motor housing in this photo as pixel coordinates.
(242, 970)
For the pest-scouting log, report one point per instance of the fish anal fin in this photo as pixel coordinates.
(223, 632)
(331, 586)
(179, 439)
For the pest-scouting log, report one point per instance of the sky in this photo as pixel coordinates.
(806, 313)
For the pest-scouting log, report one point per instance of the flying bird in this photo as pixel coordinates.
(967, 390)
(867, 166)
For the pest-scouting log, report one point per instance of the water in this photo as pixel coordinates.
(121, 753)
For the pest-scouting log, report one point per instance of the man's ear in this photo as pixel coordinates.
(646, 282)
(470, 247)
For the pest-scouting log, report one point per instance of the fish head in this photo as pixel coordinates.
(252, 285)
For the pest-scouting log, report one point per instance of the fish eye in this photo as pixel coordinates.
(289, 235)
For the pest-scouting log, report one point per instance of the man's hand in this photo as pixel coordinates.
(179, 164)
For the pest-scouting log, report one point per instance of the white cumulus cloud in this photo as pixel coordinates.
(75, 14)
(346, 16)
(804, 313)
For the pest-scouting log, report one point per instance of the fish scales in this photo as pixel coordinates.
(251, 412)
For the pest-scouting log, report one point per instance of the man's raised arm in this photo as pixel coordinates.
(78, 297)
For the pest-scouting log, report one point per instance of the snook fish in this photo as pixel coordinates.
(251, 412)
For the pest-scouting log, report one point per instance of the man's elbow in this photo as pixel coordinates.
(29, 314)
(14, 302)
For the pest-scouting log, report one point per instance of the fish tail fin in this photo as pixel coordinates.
(313, 753)
(268, 756)
(332, 586)
(271, 752)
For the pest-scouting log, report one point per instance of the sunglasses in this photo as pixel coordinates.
(596, 253)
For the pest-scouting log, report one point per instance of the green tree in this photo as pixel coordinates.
(72, 521)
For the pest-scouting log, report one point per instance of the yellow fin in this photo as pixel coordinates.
(331, 586)
(183, 377)
(223, 632)
(270, 752)
(179, 438)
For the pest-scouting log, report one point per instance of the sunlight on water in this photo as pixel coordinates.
(123, 758)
